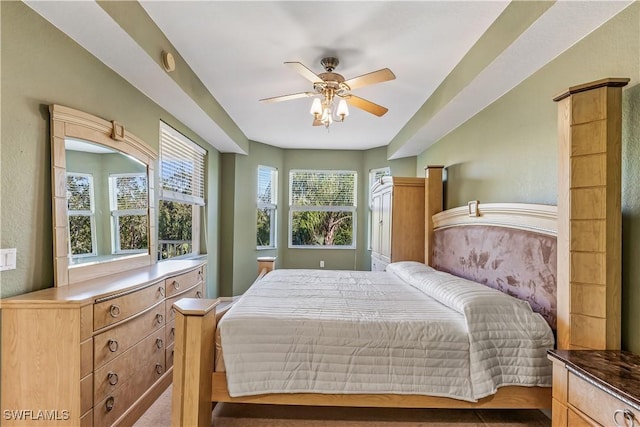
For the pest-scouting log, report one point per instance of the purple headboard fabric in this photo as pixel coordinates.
(517, 262)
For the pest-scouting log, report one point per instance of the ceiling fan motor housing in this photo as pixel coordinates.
(329, 63)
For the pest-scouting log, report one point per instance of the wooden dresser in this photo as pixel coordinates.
(595, 388)
(96, 353)
(397, 221)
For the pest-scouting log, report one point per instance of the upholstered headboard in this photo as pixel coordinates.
(508, 246)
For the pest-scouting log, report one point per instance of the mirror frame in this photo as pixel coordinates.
(70, 123)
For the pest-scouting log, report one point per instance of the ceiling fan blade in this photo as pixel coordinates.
(288, 97)
(368, 106)
(304, 71)
(371, 78)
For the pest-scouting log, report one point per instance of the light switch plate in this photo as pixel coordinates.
(8, 259)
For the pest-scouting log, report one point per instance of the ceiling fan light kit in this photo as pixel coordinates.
(328, 85)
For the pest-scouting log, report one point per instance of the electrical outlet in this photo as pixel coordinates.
(321, 264)
(8, 259)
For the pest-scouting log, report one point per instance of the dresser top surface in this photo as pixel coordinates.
(87, 292)
(617, 372)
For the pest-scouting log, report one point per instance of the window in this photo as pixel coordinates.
(375, 175)
(322, 208)
(267, 206)
(81, 210)
(182, 165)
(128, 203)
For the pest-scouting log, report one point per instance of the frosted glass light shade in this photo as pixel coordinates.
(316, 107)
(343, 109)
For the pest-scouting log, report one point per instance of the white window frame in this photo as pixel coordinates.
(117, 213)
(169, 135)
(91, 213)
(373, 173)
(353, 209)
(271, 207)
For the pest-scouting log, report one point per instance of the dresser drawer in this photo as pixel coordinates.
(170, 332)
(169, 356)
(145, 359)
(180, 283)
(108, 410)
(111, 343)
(597, 404)
(119, 307)
(194, 292)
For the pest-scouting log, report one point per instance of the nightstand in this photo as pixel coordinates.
(595, 388)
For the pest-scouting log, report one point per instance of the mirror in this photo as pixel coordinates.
(107, 196)
(103, 211)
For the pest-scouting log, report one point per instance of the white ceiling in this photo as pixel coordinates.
(237, 50)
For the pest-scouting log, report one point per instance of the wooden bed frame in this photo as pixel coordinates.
(588, 224)
(196, 385)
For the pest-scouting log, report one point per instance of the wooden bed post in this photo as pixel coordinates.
(267, 263)
(193, 362)
(433, 204)
(589, 215)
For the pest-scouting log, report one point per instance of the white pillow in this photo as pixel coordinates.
(409, 271)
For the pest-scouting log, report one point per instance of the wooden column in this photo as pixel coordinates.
(433, 204)
(193, 362)
(589, 215)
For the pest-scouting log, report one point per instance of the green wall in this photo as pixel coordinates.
(238, 268)
(508, 151)
(42, 66)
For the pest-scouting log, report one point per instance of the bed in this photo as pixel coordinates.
(505, 257)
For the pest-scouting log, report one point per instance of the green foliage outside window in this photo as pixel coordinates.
(310, 228)
(264, 227)
(322, 207)
(80, 234)
(133, 232)
(174, 229)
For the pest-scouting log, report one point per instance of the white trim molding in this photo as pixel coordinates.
(524, 216)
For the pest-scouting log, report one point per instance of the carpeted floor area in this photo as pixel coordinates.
(241, 415)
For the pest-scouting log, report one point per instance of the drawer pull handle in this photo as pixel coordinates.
(172, 332)
(198, 294)
(627, 416)
(114, 310)
(159, 368)
(113, 346)
(159, 342)
(110, 403)
(176, 284)
(161, 290)
(200, 275)
(173, 310)
(112, 377)
(159, 319)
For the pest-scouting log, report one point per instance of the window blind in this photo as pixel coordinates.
(130, 191)
(322, 188)
(182, 165)
(79, 188)
(266, 185)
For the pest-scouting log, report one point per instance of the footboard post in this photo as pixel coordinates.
(193, 362)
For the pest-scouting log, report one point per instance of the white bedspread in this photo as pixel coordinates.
(321, 331)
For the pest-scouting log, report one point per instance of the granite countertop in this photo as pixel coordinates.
(615, 372)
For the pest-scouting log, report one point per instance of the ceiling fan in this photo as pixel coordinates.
(329, 85)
